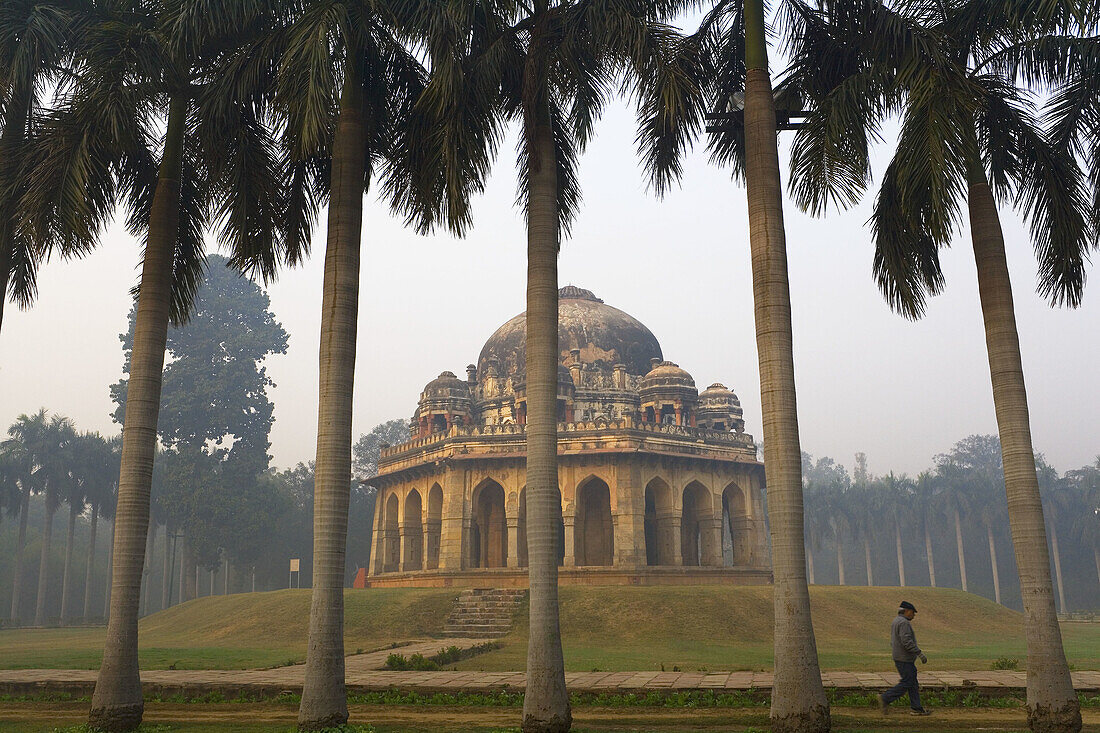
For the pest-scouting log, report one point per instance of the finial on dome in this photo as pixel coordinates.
(572, 292)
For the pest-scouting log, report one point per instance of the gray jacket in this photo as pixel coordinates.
(902, 640)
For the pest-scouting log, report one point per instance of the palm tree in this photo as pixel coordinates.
(345, 86)
(137, 63)
(102, 475)
(33, 47)
(549, 66)
(968, 132)
(724, 67)
(991, 512)
(23, 450)
(53, 459)
(927, 511)
(1059, 509)
(82, 458)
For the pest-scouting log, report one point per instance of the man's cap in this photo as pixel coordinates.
(907, 605)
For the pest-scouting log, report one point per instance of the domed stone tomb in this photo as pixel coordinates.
(658, 482)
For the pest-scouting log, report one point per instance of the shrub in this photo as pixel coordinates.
(1005, 663)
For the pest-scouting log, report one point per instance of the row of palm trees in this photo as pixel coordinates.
(889, 521)
(271, 107)
(44, 455)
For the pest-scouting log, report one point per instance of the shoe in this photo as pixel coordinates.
(922, 711)
(883, 706)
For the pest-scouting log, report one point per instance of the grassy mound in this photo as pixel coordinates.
(730, 628)
(604, 628)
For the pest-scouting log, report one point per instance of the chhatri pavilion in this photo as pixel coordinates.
(659, 482)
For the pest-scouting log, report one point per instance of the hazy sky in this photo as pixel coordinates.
(867, 379)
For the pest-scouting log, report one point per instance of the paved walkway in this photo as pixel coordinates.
(363, 674)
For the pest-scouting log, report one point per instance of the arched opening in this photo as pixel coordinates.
(522, 549)
(668, 415)
(735, 526)
(391, 537)
(649, 415)
(696, 529)
(593, 532)
(433, 529)
(413, 543)
(658, 524)
(489, 544)
(439, 423)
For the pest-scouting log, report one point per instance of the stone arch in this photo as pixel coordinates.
(433, 527)
(736, 525)
(391, 536)
(593, 529)
(412, 529)
(659, 517)
(697, 526)
(489, 527)
(522, 539)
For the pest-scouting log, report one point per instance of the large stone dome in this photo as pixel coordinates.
(605, 336)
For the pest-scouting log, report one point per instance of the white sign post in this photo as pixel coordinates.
(295, 565)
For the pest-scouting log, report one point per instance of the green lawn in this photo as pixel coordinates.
(721, 628)
(605, 628)
(254, 718)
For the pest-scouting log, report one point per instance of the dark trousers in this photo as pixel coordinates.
(908, 672)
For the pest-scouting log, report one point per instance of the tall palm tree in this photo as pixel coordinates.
(927, 511)
(344, 87)
(103, 469)
(34, 46)
(550, 66)
(54, 459)
(84, 458)
(968, 134)
(723, 67)
(24, 449)
(140, 63)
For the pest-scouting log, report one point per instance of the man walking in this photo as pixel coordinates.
(905, 650)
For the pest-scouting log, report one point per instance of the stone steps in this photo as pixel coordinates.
(484, 613)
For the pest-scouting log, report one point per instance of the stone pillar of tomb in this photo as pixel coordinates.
(377, 550)
(570, 545)
(454, 526)
(513, 541)
(668, 524)
(629, 516)
(710, 531)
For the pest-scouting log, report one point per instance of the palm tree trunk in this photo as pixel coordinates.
(993, 564)
(840, 562)
(962, 553)
(225, 590)
(1051, 702)
(44, 566)
(110, 565)
(20, 547)
(147, 566)
(67, 577)
(867, 559)
(89, 570)
(324, 699)
(798, 697)
(901, 558)
(928, 553)
(1096, 559)
(166, 569)
(117, 701)
(1058, 568)
(810, 565)
(546, 704)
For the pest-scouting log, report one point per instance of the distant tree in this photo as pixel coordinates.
(101, 487)
(1058, 508)
(369, 446)
(860, 475)
(215, 415)
(88, 458)
(1086, 481)
(54, 457)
